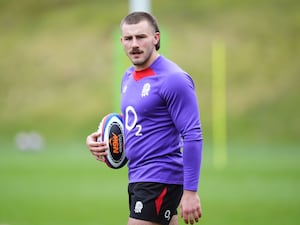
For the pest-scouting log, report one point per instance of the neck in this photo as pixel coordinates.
(147, 64)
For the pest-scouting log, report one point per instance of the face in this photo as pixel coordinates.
(139, 42)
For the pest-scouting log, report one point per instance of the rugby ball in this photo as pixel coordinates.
(112, 132)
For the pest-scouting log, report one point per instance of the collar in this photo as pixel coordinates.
(138, 75)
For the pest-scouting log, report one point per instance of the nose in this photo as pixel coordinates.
(134, 42)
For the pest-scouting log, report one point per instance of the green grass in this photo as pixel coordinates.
(64, 185)
(59, 186)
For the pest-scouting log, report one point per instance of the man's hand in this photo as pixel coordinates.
(190, 207)
(96, 148)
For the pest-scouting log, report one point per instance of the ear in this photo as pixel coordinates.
(156, 38)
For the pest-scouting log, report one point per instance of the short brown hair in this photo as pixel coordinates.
(136, 17)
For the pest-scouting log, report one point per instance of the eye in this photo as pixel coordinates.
(128, 38)
(140, 36)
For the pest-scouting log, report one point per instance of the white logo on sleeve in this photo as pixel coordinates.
(138, 207)
(124, 89)
(146, 89)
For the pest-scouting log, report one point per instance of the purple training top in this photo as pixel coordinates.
(162, 125)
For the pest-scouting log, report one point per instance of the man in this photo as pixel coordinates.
(163, 137)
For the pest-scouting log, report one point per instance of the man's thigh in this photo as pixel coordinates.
(174, 220)
(132, 221)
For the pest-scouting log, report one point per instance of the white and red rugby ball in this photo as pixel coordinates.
(112, 132)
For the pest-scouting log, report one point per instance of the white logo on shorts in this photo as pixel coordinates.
(168, 214)
(138, 207)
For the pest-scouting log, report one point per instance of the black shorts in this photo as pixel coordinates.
(155, 202)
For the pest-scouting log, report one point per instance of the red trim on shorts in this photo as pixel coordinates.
(160, 199)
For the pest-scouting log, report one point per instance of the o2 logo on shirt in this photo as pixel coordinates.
(131, 121)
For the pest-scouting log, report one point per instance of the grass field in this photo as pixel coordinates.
(66, 186)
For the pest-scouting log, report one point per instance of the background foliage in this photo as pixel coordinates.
(57, 63)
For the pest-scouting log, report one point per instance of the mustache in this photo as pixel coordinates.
(135, 51)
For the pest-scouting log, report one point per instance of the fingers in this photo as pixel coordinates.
(192, 216)
(92, 138)
(100, 158)
(189, 218)
(99, 151)
(197, 215)
(97, 148)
